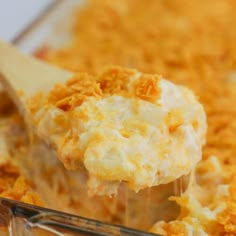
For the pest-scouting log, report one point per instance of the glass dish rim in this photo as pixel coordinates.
(36, 215)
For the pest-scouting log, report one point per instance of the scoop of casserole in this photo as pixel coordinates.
(122, 126)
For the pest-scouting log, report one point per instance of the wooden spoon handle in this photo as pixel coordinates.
(26, 75)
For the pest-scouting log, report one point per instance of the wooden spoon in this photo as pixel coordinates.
(23, 76)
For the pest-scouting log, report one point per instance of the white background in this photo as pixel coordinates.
(15, 15)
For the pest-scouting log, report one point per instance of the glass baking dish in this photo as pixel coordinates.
(51, 30)
(26, 220)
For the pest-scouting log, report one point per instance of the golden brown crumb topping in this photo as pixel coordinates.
(14, 186)
(146, 88)
(74, 92)
(227, 219)
(114, 80)
(190, 42)
(110, 80)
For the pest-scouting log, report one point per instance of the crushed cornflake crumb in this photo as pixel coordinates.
(147, 88)
(111, 80)
(74, 92)
(16, 187)
(114, 80)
